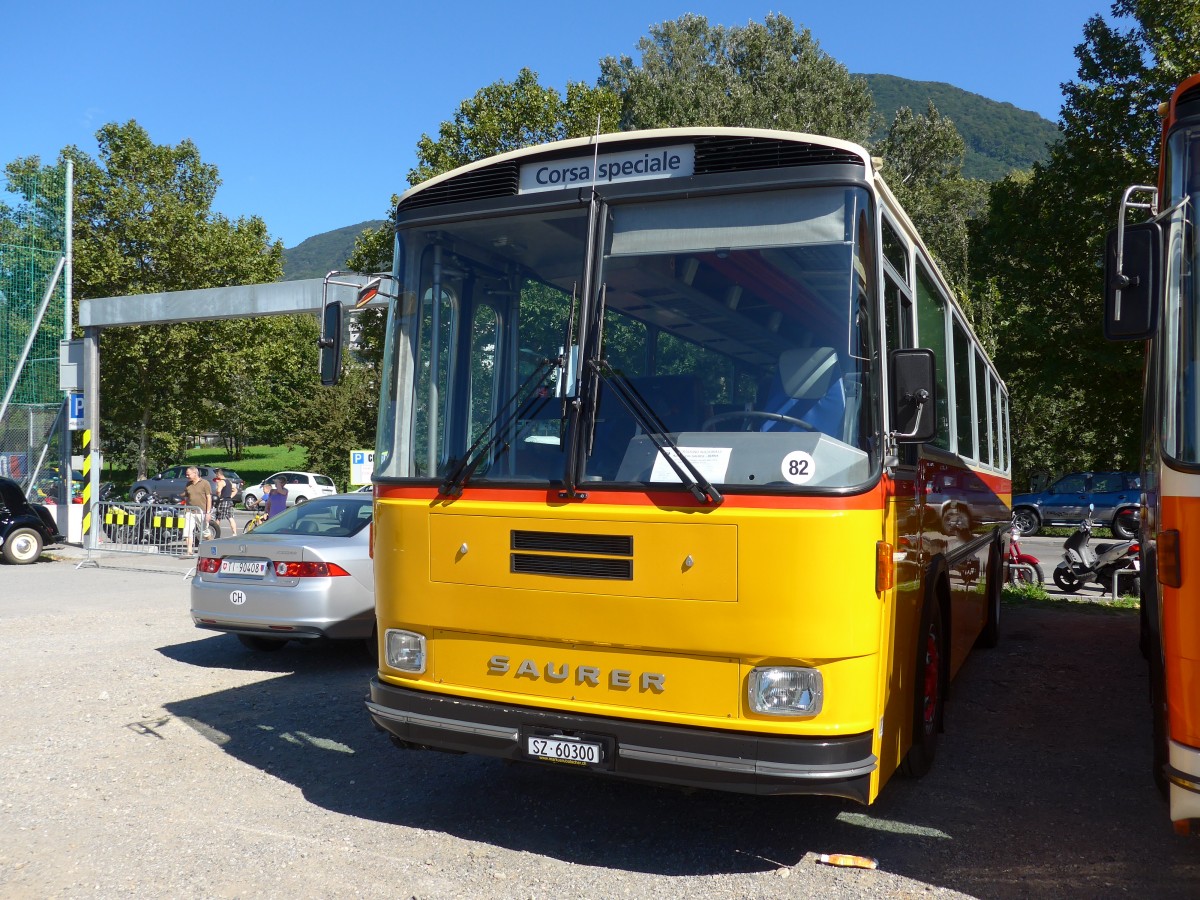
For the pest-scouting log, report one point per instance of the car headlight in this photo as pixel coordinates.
(405, 650)
(786, 691)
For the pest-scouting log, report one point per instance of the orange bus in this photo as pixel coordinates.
(689, 469)
(1152, 294)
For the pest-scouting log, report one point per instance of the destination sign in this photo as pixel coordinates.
(610, 168)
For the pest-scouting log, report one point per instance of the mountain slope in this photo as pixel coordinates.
(321, 253)
(1000, 138)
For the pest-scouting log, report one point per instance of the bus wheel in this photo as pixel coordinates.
(929, 690)
(1158, 712)
(990, 635)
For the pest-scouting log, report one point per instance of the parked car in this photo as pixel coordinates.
(303, 575)
(169, 483)
(46, 488)
(1115, 496)
(25, 528)
(301, 487)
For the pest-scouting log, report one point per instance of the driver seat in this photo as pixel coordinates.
(808, 386)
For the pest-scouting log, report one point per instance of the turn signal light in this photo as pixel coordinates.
(1170, 572)
(308, 569)
(885, 567)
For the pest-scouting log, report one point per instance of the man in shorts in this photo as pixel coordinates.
(197, 493)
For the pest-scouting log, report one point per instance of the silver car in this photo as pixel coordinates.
(303, 575)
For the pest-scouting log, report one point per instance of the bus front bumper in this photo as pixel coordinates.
(694, 757)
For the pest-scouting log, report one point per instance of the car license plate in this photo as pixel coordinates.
(562, 749)
(253, 567)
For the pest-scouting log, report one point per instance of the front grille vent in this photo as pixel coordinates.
(563, 542)
(735, 154)
(480, 184)
(578, 566)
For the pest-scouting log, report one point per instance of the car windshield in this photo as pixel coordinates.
(326, 516)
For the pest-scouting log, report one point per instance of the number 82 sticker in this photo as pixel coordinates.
(798, 467)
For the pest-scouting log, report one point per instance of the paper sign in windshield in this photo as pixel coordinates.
(712, 463)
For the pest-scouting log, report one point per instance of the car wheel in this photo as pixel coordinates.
(266, 644)
(1125, 524)
(22, 547)
(301, 499)
(140, 495)
(1026, 520)
(250, 502)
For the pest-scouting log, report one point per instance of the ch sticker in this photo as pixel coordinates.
(798, 467)
(237, 598)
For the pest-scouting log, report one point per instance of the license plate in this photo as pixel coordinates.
(254, 567)
(565, 750)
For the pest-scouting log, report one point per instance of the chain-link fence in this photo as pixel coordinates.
(33, 214)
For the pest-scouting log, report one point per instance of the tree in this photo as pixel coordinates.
(761, 75)
(923, 157)
(508, 116)
(144, 223)
(1076, 397)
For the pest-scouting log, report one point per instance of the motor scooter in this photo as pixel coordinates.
(1081, 564)
(1022, 568)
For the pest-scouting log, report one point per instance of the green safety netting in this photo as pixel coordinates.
(32, 241)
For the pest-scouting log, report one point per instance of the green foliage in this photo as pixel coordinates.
(1076, 398)
(923, 158)
(508, 116)
(1000, 139)
(322, 253)
(762, 75)
(338, 420)
(144, 223)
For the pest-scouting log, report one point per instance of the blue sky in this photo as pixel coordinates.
(311, 111)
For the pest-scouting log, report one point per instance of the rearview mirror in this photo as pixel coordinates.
(1132, 281)
(330, 344)
(913, 396)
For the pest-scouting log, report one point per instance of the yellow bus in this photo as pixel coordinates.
(1152, 295)
(689, 467)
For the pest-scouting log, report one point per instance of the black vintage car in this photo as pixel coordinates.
(25, 528)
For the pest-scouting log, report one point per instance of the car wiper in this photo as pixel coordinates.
(523, 402)
(654, 427)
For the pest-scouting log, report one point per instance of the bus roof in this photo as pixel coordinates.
(684, 134)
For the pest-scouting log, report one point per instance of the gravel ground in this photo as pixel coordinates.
(141, 756)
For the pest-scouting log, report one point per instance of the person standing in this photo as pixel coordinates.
(197, 493)
(276, 501)
(224, 501)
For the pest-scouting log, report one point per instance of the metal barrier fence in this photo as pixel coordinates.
(161, 528)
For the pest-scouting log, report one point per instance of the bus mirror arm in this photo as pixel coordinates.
(921, 397)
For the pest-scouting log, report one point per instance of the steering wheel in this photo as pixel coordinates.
(754, 414)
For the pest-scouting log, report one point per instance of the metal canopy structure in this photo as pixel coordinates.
(280, 298)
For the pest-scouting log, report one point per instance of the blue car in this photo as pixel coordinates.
(1115, 496)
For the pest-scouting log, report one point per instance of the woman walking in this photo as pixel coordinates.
(223, 510)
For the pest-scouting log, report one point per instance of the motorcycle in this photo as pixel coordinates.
(1081, 564)
(1022, 567)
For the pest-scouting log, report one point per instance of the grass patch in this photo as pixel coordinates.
(257, 463)
(1035, 596)
(1098, 531)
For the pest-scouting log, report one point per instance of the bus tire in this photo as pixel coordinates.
(989, 636)
(1159, 727)
(929, 688)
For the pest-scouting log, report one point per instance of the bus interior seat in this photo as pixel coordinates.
(808, 385)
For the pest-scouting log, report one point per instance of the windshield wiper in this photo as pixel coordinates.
(655, 429)
(521, 403)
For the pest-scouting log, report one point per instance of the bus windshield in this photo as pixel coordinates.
(743, 321)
